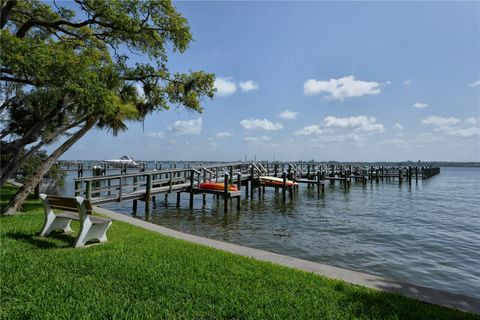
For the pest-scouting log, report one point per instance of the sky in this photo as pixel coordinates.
(344, 81)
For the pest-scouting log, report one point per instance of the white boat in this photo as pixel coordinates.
(125, 160)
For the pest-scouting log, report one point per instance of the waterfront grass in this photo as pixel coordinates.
(139, 274)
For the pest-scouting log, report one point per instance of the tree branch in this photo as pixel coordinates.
(11, 79)
(5, 12)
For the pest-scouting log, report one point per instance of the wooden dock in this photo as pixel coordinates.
(146, 185)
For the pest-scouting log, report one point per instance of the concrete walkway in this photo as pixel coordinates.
(429, 295)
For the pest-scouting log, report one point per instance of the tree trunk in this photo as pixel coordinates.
(13, 166)
(30, 184)
(15, 146)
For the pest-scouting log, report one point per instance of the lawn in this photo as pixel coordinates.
(139, 274)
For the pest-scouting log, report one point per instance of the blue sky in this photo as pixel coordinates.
(344, 81)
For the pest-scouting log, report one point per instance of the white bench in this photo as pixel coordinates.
(91, 228)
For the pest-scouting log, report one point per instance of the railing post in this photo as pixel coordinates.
(77, 188)
(88, 193)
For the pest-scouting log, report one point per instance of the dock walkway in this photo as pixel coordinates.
(146, 185)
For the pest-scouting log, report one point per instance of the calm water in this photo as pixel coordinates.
(427, 233)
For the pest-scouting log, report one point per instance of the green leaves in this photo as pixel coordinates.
(47, 47)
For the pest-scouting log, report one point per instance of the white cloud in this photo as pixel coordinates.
(462, 132)
(288, 115)
(314, 129)
(264, 124)
(360, 123)
(212, 144)
(350, 130)
(471, 120)
(225, 87)
(393, 142)
(257, 140)
(339, 89)
(475, 84)
(193, 127)
(420, 105)
(223, 134)
(407, 82)
(440, 121)
(249, 85)
(156, 135)
(398, 126)
(352, 138)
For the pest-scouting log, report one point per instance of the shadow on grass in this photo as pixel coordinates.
(62, 240)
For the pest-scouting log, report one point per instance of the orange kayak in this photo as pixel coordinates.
(217, 186)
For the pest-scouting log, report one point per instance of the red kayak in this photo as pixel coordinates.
(217, 186)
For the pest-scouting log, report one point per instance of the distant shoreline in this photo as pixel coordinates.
(364, 163)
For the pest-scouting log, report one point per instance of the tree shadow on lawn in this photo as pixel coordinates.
(55, 240)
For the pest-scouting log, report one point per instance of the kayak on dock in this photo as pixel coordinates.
(275, 182)
(217, 186)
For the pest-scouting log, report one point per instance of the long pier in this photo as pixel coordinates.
(147, 185)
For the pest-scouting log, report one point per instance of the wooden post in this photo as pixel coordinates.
(251, 181)
(231, 175)
(135, 181)
(192, 175)
(416, 174)
(178, 199)
(319, 184)
(88, 192)
(276, 169)
(308, 175)
(134, 209)
(77, 187)
(284, 186)
(239, 187)
(120, 185)
(226, 179)
(148, 193)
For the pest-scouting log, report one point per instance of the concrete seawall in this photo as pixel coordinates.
(434, 296)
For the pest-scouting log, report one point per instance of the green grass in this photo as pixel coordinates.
(139, 274)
